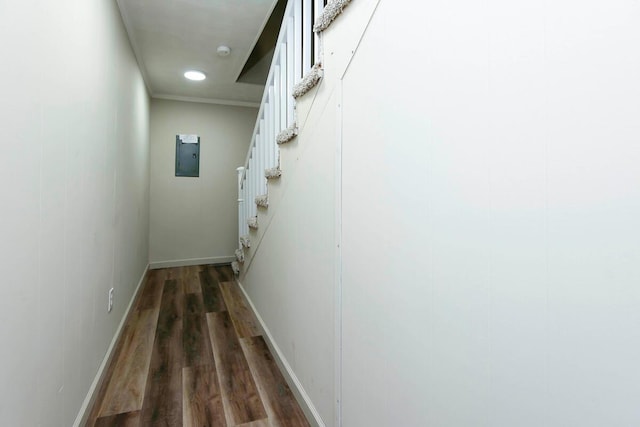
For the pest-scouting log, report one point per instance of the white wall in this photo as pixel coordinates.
(487, 210)
(491, 256)
(194, 220)
(290, 279)
(74, 186)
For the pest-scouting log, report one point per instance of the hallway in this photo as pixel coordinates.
(191, 354)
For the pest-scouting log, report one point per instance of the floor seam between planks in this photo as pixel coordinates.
(192, 354)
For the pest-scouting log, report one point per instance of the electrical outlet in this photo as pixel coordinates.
(110, 306)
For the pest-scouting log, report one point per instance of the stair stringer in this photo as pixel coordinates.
(339, 44)
(290, 155)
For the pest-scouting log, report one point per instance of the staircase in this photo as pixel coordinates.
(295, 70)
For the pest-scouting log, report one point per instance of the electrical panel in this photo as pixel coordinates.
(187, 155)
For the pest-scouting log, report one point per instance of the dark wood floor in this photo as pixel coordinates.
(191, 354)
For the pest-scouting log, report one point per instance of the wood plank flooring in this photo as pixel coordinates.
(191, 355)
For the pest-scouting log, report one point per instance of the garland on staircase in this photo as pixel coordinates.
(273, 173)
(240, 255)
(253, 222)
(235, 267)
(287, 134)
(330, 12)
(308, 81)
(262, 201)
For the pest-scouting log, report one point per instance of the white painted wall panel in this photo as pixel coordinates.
(74, 115)
(491, 256)
(291, 278)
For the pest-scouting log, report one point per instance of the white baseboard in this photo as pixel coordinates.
(300, 394)
(85, 409)
(192, 261)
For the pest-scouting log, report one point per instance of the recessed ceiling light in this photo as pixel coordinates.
(195, 75)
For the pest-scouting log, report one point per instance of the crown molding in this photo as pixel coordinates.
(206, 100)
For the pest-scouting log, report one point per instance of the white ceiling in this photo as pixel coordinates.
(172, 36)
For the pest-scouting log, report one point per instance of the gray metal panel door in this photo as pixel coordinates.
(187, 158)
